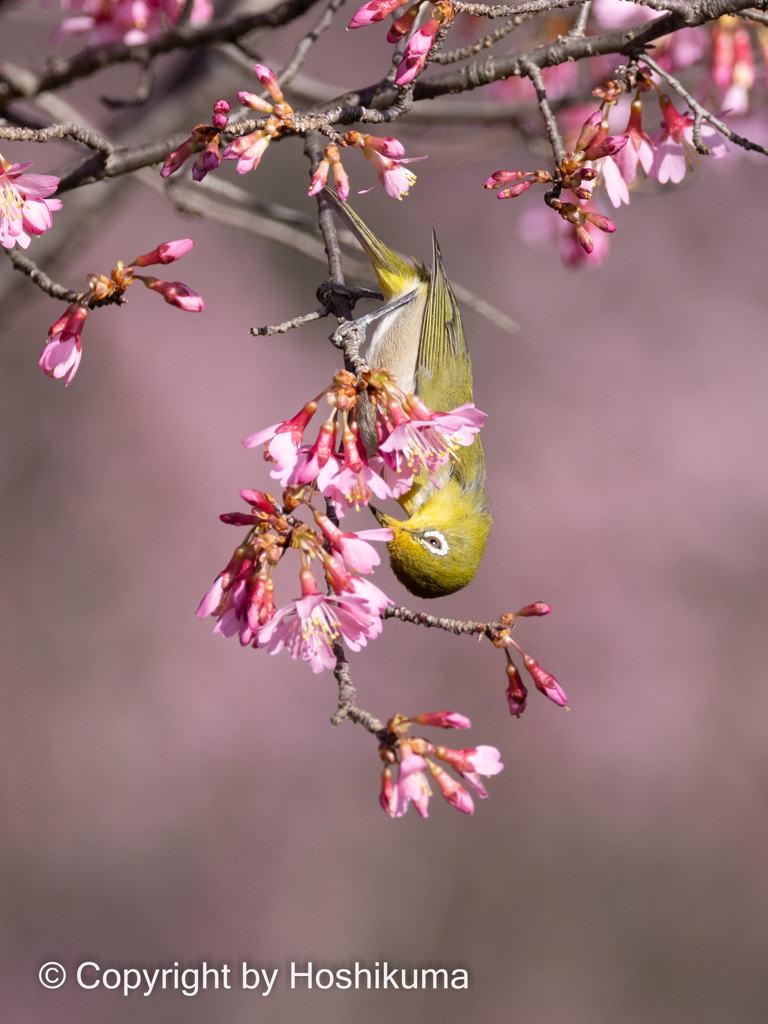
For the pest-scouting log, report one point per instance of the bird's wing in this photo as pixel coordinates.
(443, 367)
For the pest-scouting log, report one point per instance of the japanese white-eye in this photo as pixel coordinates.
(437, 550)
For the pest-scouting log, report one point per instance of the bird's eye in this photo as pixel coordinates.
(435, 542)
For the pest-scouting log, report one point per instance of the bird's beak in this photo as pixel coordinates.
(386, 521)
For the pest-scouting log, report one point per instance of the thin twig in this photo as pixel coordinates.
(451, 56)
(702, 113)
(58, 291)
(536, 6)
(759, 16)
(304, 45)
(456, 626)
(555, 139)
(298, 321)
(21, 82)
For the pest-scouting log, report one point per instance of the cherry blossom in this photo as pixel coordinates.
(411, 785)
(25, 206)
(386, 155)
(63, 350)
(130, 21)
(674, 143)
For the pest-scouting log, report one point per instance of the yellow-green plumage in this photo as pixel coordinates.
(437, 550)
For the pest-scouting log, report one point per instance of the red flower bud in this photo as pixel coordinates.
(259, 500)
(514, 190)
(503, 177)
(589, 130)
(545, 683)
(516, 690)
(538, 608)
(443, 720)
(607, 147)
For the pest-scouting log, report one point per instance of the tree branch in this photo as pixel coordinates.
(347, 696)
(58, 291)
(20, 82)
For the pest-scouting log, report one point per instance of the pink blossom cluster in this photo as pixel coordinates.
(412, 758)
(421, 41)
(25, 203)
(612, 160)
(242, 596)
(411, 438)
(129, 21)
(63, 349)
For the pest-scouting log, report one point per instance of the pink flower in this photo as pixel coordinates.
(165, 253)
(354, 548)
(63, 350)
(639, 149)
(375, 10)
(674, 143)
(430, 442)
(309, 627)
(443, 720)
(175, 293)
(320, 177)
(537, 608)
(615, 185)
(247, 150)
(472, 763)
(395, 178)
(283, 440)
(25, 208)
(412, 785)
(452, 790)
(129, 21)
(415, 55)
(351, 482)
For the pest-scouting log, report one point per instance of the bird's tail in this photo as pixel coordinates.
(394, 275)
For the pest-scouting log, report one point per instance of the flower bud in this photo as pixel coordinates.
(585, 239)
(268, 80)
(443, 720)
(402, 25)
(250, 99)
(452, 790)
(503, 178)
(259, 500)
(608, 147)
(387, 795)
(176, 293)
(545, 683)
(600, 221)
(514, 190)
(589, 130)
(238, 519)
(220, 110)
(165, 253)
(375, 10)
(516, 690)
(538, 608)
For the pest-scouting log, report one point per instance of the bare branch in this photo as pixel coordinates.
(451, 56)
(759, 16)
(59, 131)
(298, 321)
(347, 696)
(20, 82)
(58, 291)
(555, 139)
(536, 6)
(301, 52)
(456, 626)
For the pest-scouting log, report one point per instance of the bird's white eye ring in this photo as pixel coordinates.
(435, 542)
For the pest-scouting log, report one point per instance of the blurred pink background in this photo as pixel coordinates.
(168, 796)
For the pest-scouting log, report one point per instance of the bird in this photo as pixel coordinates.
(437, 549)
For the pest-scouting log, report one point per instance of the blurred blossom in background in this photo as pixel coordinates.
(169, 797)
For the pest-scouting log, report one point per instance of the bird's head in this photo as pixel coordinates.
(438, 549)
